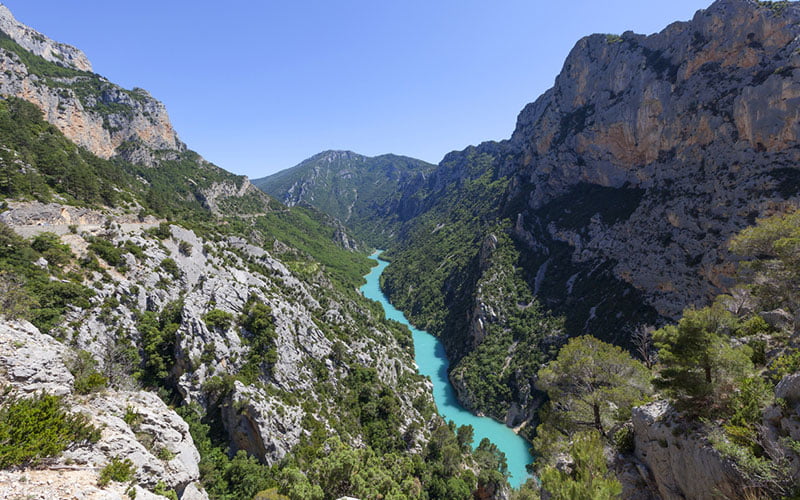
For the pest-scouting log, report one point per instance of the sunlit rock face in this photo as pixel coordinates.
(91, 111)
(699, 122)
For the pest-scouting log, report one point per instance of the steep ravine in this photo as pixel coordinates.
(623, 183)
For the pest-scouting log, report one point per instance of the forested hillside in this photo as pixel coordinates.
(168, 329)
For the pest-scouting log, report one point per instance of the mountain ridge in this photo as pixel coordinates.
(623, 183)
(336, 182)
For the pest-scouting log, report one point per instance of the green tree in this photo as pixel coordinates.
(773, 268)
(465, 435)
(39, 427)
(83, 367)
(588, 478)
(217, 319)
(592, 384)
(697, 363)
(15, 301)
(158, 341)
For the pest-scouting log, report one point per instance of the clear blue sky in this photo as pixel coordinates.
(258, 86)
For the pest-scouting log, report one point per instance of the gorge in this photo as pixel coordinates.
(617, 281)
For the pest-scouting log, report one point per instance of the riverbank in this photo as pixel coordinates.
(431, 360)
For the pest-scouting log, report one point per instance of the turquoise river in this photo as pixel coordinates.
(432, 362)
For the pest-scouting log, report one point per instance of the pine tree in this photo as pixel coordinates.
(588, 478)
(592, 384)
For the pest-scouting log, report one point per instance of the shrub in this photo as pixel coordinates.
(164, 454)
(39, 427)
(161, 232)
(120, 470)
(131, 417)
(92, 382)
(784, 365)
(271, 494)
(753, 395)
(158, 342)
(216, 319)
(590, 477)
(51, 248)
(107, 251)
(171, 267)
(756, 468)
(185, 248)
(624, 439)
(87, 379)
(15, 301)
(161, 489)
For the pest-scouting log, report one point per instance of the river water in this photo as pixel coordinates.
(430, 357)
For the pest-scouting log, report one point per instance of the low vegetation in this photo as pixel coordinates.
(36, 428)
(718, 365)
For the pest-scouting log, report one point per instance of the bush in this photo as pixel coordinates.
(15, 301)
(93, 382)
(51, 248)
(171, 267)
(87, 378)
(158, 342)
(271, 494)
(216, 319)
(589, 479)
(132, 417)
(624, 439)
(162, 232)
(119, 470)
(161, 489)
(784, 365)
(107, 251)
(39, 427)
(185, 248)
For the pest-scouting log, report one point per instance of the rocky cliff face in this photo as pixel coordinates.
(677, 459)
(649, 152)
(624, 181)
(87, 108)
(688, 135)
(32, 362)
(40, 45)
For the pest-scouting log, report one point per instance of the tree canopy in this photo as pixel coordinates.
(591, 382)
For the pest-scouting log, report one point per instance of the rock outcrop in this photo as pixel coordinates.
(676, 459)
(157, 441)
(91, 111)
(682, 462)
(37, 43)
(685, 136)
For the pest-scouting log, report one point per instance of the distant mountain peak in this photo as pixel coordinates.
(39, 44)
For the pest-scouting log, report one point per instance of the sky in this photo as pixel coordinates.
(258, 86)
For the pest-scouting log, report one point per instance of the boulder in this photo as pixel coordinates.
(681, 461)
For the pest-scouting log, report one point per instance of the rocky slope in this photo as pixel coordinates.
(38, 44)
(249, 323)
(677, 459)
(353, 188)
(317, 329)
(87, 108)
(33, 362)
(620, 185)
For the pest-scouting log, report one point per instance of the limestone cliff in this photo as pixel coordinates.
(689, 134)
(620, 186)
(93, 112)
(41, 45)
